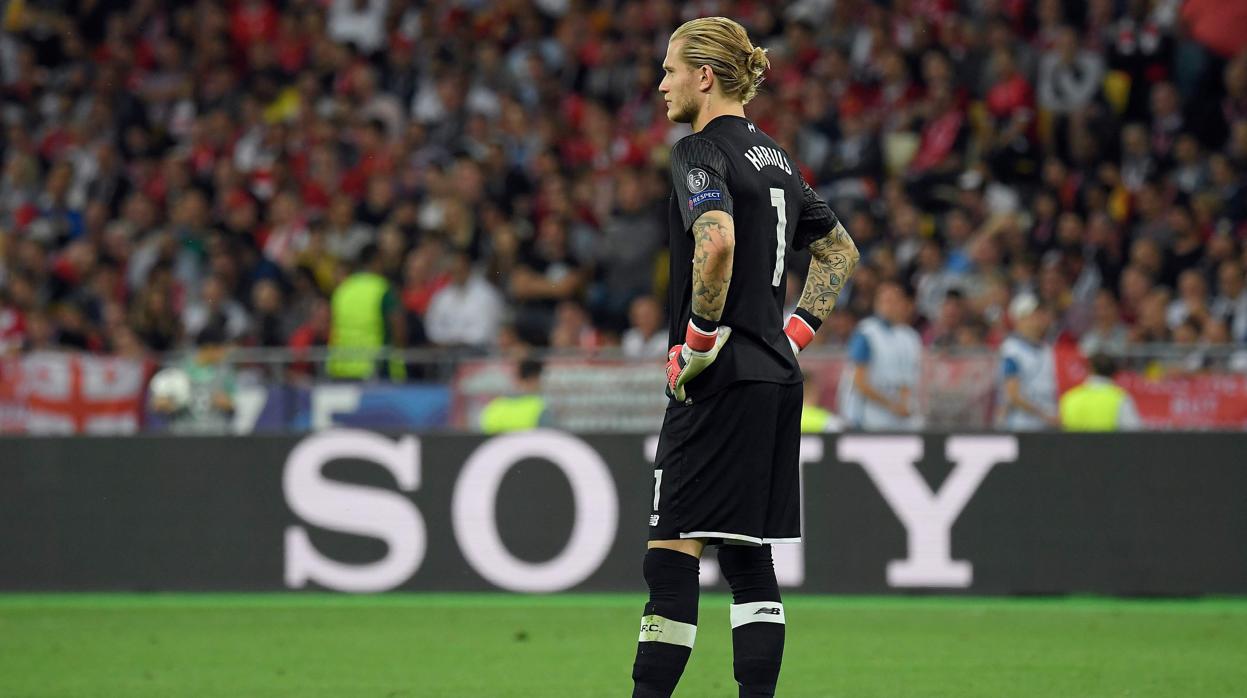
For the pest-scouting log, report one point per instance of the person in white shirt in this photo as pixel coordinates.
(1069, 78)
(1231, 303)
(1192, 300)
(647, 337)
(360, 22)
(465, 312)
(1028, 391)
(215, 302)
(877, 391)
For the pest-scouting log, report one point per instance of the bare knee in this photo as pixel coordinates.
(688, 546)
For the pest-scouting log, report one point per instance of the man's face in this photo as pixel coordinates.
(679, 86)
(890, 304)
(1230, 279)
(1036, 324)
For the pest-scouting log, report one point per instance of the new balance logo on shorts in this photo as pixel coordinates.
(653, 519)
(768, 611)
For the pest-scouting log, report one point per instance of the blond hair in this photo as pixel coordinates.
(724, 45)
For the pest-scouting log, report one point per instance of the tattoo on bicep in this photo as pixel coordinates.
(833, 259)
(714, 238)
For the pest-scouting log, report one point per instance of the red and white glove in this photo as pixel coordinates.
(700, 348)
(800, 330)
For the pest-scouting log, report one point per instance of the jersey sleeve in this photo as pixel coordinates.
(816, 219)
(699, 174)
(1009, 368)
(859, 348)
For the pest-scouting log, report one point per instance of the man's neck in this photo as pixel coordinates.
(713, 109)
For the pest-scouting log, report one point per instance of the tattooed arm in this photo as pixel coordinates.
(714, 240)
(832, 261)
(833, 257)
(714, 237)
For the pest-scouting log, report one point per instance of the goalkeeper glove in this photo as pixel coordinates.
(702, 342)
(800, 329)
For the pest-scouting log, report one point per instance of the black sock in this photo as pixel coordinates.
(757, 618)
(669, 624)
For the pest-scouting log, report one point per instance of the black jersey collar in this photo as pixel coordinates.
(724, 119)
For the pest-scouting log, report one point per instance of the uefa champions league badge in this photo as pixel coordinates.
(697, 180)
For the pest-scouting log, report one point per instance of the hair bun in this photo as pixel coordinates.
(758, 62)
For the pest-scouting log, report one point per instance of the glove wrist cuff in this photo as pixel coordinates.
(701, 334)
(801, 328)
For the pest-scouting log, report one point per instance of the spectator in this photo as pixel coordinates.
(631, 237)
(423, 276)
(465, 312)
(1107, 334)
(344, 236)
(1099, 404)
(215, 304)
(931, 280)
(572, 328)
(938, 159)
(646, 337)
(855, 163)
(1153, 323)
(358, 22)
(1138, 164)
(1011, 104)
(1167, 119)
(878, 389)
(943, 332)
(366, 318)
(1190, 173)
(1192, 300)
(315, 332)
(1069, 77)
(1028, 370)
(1230, 306)
(545, 274)
(270, 324)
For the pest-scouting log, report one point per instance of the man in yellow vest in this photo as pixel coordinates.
(1099, 404)
(815, 419)
(366, 318)
(521, 412)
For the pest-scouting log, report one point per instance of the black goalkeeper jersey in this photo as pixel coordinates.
(734, 167)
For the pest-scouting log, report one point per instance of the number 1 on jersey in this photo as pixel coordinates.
(781, 224)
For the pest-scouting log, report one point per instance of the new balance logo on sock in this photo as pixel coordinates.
(757, 612)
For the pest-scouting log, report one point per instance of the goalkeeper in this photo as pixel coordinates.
(726, 469)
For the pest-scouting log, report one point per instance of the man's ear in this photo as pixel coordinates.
(705, 78)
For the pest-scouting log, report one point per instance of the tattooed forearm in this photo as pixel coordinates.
(714, 237)
(832, 261)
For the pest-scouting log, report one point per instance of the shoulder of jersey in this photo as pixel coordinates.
(867, 324)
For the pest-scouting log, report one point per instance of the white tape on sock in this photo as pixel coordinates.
(658, 629)
(757, 612)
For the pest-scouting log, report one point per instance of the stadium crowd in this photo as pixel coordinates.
(183, 173)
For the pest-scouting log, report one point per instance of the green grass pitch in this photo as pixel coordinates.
(496, 646)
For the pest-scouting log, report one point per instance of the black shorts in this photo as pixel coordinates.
(727, 467)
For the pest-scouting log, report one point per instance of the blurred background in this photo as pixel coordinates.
(443, 189)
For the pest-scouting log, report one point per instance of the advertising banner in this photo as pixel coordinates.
(548, 511)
